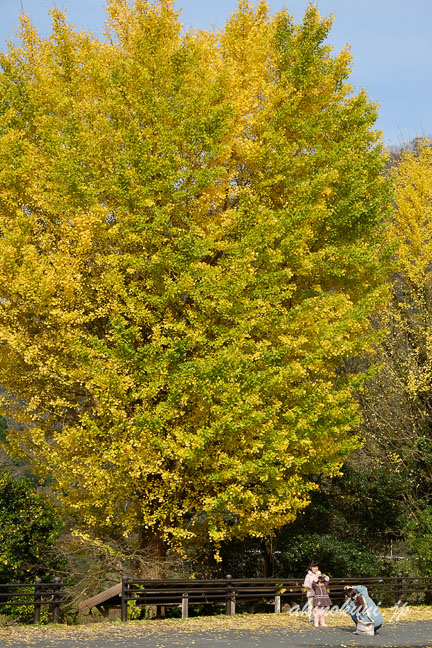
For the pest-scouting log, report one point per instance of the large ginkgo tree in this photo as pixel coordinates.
(189, 247)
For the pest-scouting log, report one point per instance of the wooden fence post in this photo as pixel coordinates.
(230, 601)
(37, 600)
(277, 602)
(56, 600)
(185, 605)
(399, 587)
(124, 598)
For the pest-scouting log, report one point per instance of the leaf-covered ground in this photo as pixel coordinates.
(412, 629)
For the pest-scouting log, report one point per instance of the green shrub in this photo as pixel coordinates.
(338, 557)
(29, 528)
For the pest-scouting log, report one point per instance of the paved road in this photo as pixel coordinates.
(402, 635)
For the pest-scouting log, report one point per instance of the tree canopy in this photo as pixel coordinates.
(190, 244)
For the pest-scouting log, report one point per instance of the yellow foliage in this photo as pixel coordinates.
(411, 227)
(189, 247)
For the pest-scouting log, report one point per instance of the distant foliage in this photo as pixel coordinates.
(3, 429)
(338, 557)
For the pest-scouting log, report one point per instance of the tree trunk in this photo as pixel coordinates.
(152, 556)
(267, 560)
(153, 565)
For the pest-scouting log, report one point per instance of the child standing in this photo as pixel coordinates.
(312, 576)
(321, 601)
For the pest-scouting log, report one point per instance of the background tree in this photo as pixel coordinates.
(189, 247)
(397, 403)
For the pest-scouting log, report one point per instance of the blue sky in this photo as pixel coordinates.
(390, 41)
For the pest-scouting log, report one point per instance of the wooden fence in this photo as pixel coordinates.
(34, 594)
(229, 592)
(222, 593)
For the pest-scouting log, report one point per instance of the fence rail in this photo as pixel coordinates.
(229, 591)
(34, 594)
